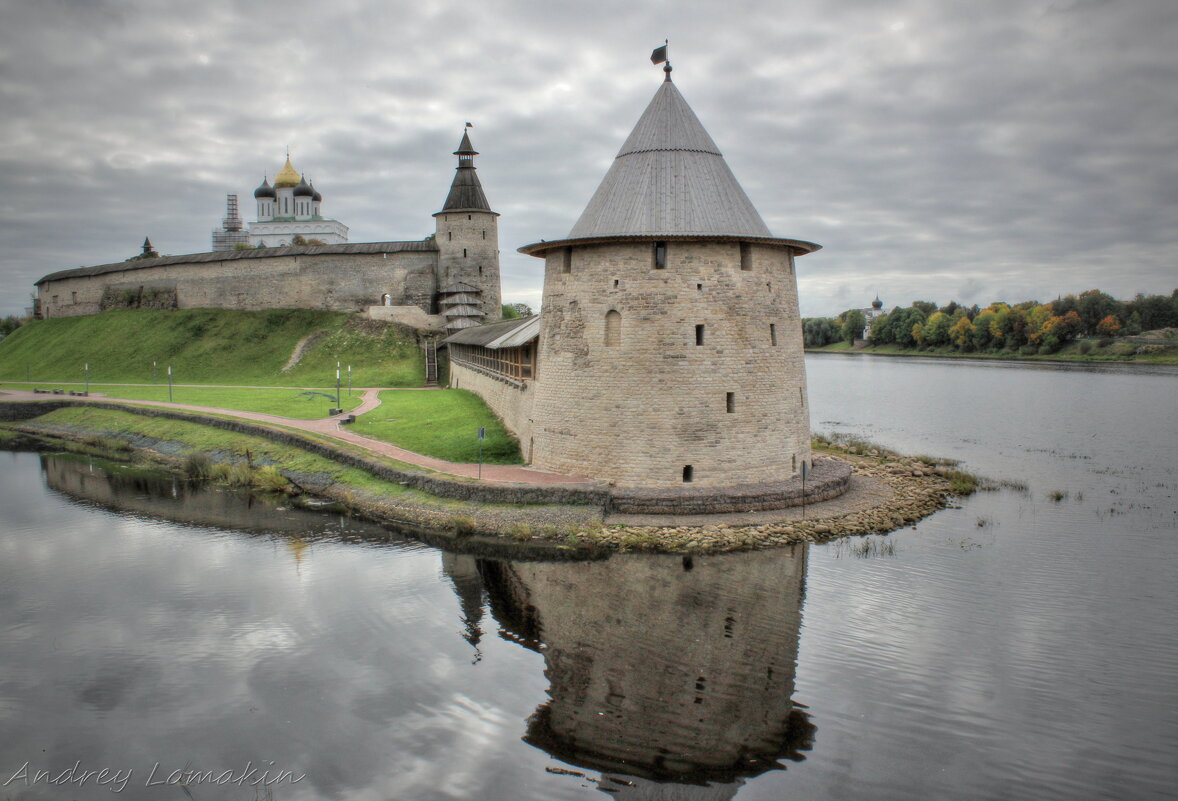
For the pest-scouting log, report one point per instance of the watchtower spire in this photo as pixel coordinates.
(466, 192)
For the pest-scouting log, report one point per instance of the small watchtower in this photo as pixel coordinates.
(671, 344)
(467, 237)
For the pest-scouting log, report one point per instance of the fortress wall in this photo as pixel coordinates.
(507, 400)
(639, 411)
(332, 281)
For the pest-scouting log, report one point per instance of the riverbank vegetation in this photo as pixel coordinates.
(205, 453)
(1092, 326)
(214, 346)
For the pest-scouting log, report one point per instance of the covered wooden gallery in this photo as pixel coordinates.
(504, 349)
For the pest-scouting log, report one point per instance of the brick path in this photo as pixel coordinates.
(331, 427)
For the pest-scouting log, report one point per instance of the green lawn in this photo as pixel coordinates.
(284, 402)
(442, 423)
(212, 346)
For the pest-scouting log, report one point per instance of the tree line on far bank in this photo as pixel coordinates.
(1029, 327)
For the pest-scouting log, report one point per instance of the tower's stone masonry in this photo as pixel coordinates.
(468, 253)
(658, 409)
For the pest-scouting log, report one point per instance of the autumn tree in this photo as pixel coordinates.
(853, 324)
(1108, 327)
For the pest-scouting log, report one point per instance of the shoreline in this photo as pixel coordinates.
(887, 492)
(1165, 361)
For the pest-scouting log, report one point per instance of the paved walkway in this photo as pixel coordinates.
(331, 427)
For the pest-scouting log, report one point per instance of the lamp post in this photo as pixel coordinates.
(153, 379)
(86, 372)
(337, 398)
(169, 383)
(349, 380)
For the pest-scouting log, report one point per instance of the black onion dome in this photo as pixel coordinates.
(303, 189)
(265, 190)
(315, 196)
(877, 303)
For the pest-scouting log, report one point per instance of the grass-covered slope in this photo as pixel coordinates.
(443, 423)
(214, 346)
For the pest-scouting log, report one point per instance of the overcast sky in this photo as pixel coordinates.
(936, 149)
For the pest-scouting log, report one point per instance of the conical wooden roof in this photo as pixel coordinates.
(669, 179)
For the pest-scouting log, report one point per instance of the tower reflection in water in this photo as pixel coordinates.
(673, 677)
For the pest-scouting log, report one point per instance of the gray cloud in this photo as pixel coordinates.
(1017, 149)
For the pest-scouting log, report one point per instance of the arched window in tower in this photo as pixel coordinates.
(746, 256)
(660, 255)
(613, 329)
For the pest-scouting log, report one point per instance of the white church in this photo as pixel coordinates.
(289, 208)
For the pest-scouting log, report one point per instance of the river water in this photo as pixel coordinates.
(1021, 646)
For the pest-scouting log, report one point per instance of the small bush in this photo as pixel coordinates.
(462, 524)
(240, 475)
(270, 479)
(961, 482)
(521, 532)
(198, 465)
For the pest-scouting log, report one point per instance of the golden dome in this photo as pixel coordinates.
(287, 176)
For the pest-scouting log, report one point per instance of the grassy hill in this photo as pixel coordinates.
(212, 346)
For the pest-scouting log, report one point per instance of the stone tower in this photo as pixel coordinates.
(671, 344)
(468, 238)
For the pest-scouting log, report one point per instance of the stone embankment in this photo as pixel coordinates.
(887, 492)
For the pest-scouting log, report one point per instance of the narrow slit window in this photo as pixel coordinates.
(699, 335)
(615, 283)
(449, 236)
(484, 233)
(468, 216)
(746, 257)
(566, 260)
(699, 287)
(688, 473)
(660, 255)
(794, 459)
(464, 253)
(613, 329)
(730, 402)
(773, 334)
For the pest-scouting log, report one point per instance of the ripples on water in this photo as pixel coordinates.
(1018, 646)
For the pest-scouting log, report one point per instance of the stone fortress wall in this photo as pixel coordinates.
(509, 399)
(700, 361)
(348, 278)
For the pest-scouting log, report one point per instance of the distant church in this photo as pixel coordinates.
(291, 207)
